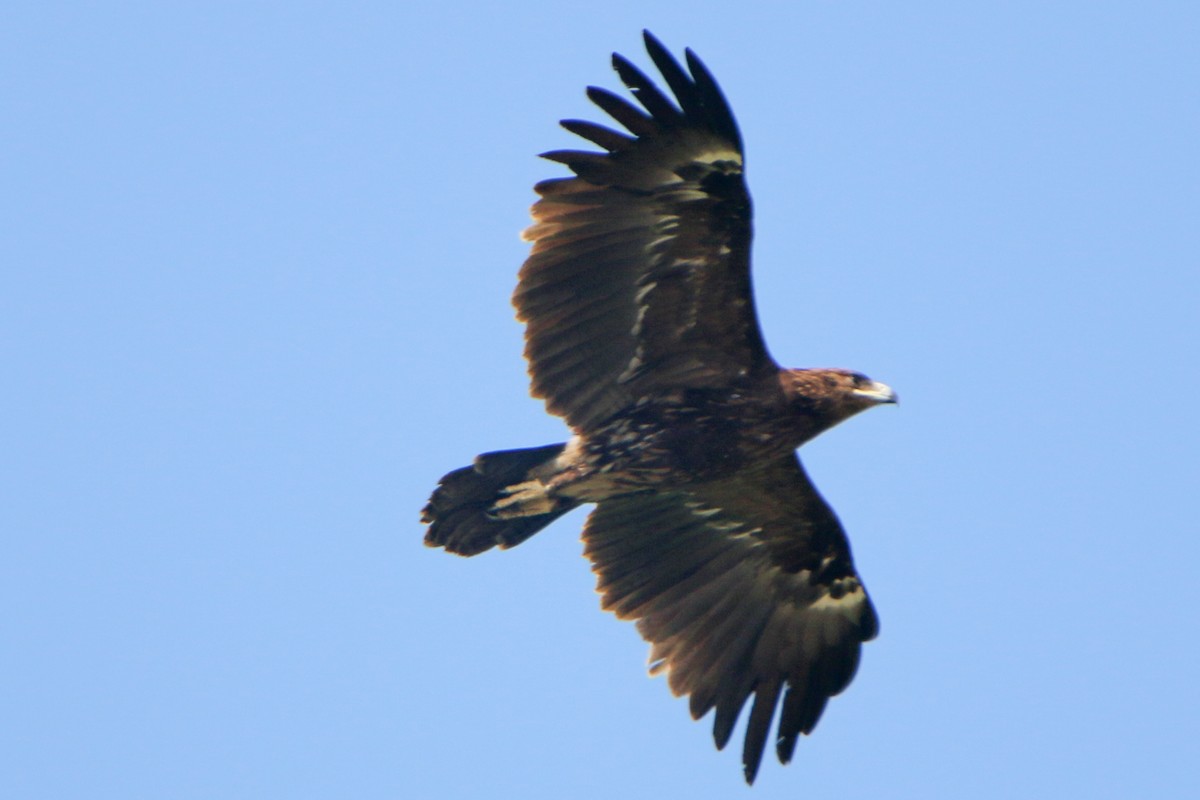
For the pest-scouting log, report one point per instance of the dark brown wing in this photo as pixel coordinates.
(744, 586)
(639, 277)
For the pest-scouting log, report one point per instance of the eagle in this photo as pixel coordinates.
(641, 333)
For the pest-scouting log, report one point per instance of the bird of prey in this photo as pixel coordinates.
(641, 333)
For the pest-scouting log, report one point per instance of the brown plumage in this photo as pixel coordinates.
(641, 333)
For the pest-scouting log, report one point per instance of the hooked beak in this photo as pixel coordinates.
(878, 393)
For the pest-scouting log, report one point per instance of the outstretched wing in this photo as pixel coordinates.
(639, 277)
(743, 586)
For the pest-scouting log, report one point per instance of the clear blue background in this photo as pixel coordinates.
(256, 266)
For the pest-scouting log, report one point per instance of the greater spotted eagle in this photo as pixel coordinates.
(641, 333)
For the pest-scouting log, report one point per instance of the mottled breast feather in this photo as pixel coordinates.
(639, 276)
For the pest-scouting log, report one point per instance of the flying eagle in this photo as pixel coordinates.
(641, 333)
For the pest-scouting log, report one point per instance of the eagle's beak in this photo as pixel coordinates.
(878, 393)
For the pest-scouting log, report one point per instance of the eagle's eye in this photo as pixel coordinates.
(861, 381)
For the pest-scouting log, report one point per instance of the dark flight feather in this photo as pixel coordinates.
(670, 210)
(738, 572)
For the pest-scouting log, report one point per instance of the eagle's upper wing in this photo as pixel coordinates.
(743, 586)
(639, 277)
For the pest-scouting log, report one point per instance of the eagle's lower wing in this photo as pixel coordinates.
(639, 276)
(744, 586)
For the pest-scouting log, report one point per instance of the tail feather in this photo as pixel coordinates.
(460, 512)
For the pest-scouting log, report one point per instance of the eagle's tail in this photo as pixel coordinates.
(493, 502)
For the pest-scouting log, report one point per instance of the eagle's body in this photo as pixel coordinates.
(641, 333)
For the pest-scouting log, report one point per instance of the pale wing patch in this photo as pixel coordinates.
(720, 156)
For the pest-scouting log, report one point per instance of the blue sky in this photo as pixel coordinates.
(257, 259)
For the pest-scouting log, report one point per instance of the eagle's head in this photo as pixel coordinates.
(829, 396)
